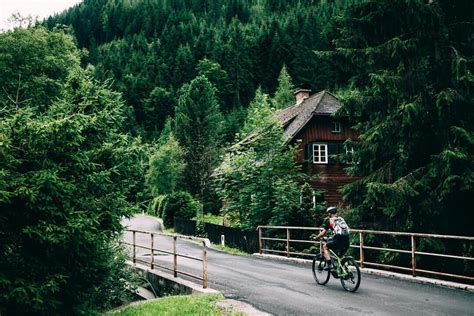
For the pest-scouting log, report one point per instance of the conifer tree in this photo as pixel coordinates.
(259, 111)
(413, 110)
(69, 174)
(284, 94)
(198, 129)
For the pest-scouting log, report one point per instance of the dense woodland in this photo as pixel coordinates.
(124, 105)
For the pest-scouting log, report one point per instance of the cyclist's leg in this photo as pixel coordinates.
(339, 244)
(327, 254)
(345, 244)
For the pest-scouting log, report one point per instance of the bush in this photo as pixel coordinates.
(158, 205)
(180, 204)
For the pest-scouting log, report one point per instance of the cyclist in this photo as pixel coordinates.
(340, 242)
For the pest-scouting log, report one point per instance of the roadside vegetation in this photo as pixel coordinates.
(201, 304)
(231, 250)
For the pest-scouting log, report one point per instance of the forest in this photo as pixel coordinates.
(120, 106)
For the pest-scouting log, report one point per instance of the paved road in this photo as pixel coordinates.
(143, 222)
(284, 288)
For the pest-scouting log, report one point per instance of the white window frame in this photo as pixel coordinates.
(350, 155)
(336, 127)
(318, 148)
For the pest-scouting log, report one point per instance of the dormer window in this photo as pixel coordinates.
(336, 127)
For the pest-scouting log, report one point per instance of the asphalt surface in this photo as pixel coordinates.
(286, 288)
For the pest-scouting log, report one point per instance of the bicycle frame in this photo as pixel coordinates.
(339, 273)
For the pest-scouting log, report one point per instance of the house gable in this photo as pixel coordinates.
(319, 135)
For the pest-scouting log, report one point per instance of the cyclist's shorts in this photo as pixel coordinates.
(339, 244)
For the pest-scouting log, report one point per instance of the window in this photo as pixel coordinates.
(336, 127)
(320, 153)
(350, 154)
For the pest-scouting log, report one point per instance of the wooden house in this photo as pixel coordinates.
(309, 124)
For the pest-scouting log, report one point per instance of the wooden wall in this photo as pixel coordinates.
(330, 177)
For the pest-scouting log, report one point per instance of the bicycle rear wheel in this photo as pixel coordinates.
(320, 275)
(350, 279)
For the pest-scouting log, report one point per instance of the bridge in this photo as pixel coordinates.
(283, 287)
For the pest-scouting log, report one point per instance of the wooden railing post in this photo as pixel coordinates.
(204, 265)
(320, 243)
(361, 252)
(134, 248)
(260, 241)
(175, 257)
(152, 263)
(413, 258)
(287, 242)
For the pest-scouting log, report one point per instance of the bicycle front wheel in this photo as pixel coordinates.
(350, 278)
(321, 276)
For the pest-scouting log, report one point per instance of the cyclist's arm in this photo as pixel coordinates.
(325, 228)
(321, 234)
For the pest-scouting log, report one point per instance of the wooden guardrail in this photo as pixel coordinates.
(154, 251)
(263, 248)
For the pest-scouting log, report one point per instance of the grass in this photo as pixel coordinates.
(230, 250)
(203, 304)
(213, 219)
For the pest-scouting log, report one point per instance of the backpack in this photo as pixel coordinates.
(340, 226)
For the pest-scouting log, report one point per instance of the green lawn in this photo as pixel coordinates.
(176, 305)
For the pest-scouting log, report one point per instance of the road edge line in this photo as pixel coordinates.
(387, 274)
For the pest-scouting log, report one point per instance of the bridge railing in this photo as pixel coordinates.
(265, 242)
(156, 251)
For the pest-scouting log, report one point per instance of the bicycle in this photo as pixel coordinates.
(346, 269)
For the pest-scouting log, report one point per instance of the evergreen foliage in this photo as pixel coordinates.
(411, 97)
(258, 180)
(284, 95)
(239, 45)
(310, 212)
(198, 129)
(180, 204)
(33, 65)
(259, 114)
(69, 173)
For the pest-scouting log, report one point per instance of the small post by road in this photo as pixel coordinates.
(134, 248)
(413, 258)
(361, 246)
(287, 242)
(260, 245)
(204, 265)
(152, 252)
(175, 258)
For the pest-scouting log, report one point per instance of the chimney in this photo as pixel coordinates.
(301, 95)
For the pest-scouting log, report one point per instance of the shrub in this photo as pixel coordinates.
(158, 205)
(180, 204)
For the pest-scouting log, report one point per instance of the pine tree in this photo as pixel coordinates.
(284, 94)
(258, 112)
(198, 129)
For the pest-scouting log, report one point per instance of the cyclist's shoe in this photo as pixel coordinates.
(328, 266)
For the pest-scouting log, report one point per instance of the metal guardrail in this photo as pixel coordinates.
(175, 253)
(362, 247)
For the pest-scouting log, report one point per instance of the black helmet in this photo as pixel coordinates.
(332, 210)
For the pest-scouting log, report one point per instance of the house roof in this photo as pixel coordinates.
(296, 116)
